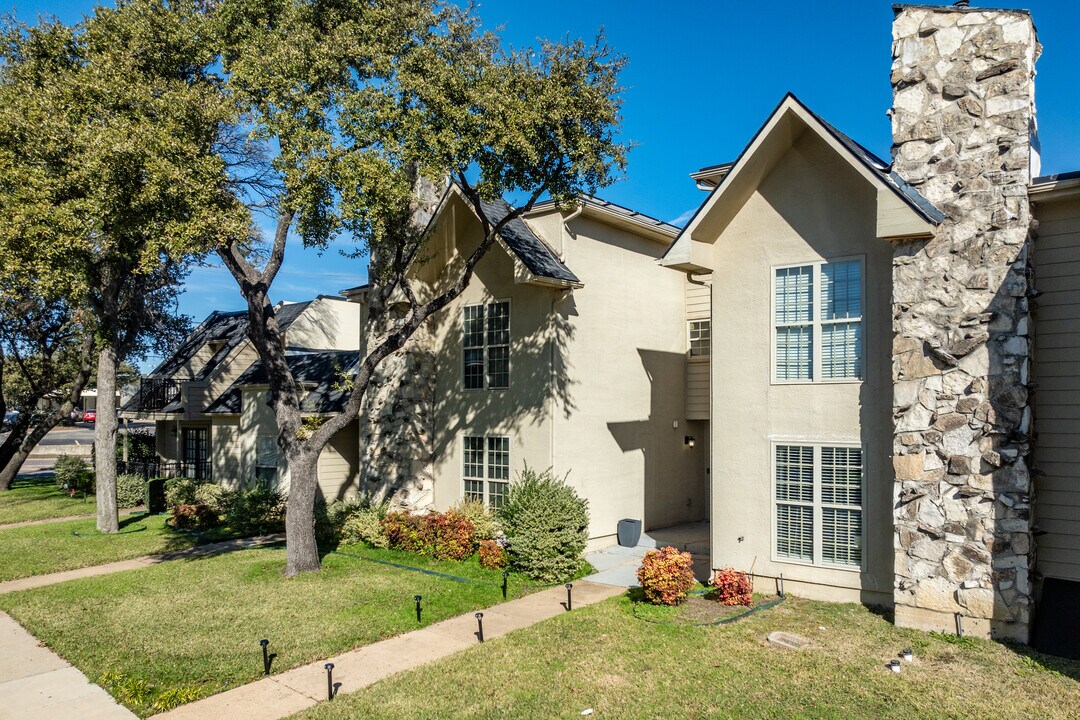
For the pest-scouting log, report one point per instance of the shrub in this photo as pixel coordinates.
(546, 526)
(74, 474)
(666, 575)
(129, 491)
(141, 445)
(405, 531)
(210, 494)
(193, 517)
(181, 490)
(259, 511)
(485, 526)
(365, 525)
(174, 697)
(731, 587)
(493, 555)
(450, 535)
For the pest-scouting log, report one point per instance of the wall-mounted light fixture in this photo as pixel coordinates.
(689, 441)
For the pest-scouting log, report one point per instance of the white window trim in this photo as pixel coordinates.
(816, 323)
(818, 561)
(461, 354)
(485, 480)
(689, 349)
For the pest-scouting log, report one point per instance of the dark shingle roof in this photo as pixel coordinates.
(227, 327)
(1058, 177)
(325, 369)
(533, 252)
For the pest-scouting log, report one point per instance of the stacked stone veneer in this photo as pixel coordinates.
(396, 450)
(963, 123)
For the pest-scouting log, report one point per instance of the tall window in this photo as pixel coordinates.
(818, 322)
(196, 453)
(818, 492)
(699, 332)
(266, 461)
(486, 468)
(486, 346)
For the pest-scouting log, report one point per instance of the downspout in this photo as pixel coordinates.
(556, 300)
(564, 228)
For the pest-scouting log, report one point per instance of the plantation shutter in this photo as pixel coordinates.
(794, 323)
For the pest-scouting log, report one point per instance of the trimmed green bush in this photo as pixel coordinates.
(74, 474)
(210, 495)
(485, 526)
(546, 525)
(129, 491)
(181, 491)
(260, 511)
(365, 525)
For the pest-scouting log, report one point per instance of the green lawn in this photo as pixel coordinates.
(605, 658)
(36, 498)
(191, 628)
(53, 547)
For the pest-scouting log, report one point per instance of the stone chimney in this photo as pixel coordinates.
(963, 123)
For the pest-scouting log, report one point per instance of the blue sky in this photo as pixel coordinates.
(702, 77)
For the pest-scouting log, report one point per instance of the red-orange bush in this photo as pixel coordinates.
(446, 536)
(732, 587)
(406, 531)
(493, 555)
(193, 517)
(450, 534)
(666, 575)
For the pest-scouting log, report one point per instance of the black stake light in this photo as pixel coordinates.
(569, 597)
(266, 657)
(417, 599)
(506, 579)
(480, 626)
(329, 680)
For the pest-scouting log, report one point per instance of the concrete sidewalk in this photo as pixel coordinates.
(282, 695)
(36, 581)
(66, 518)
(37, 683)
(617, 565)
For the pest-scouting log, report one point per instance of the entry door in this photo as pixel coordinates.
(197, 452)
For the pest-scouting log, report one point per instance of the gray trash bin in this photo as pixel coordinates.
(629, 532)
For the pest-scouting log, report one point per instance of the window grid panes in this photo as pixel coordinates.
(486, 469)
(819, 492)
(818, 322)
(486, 346)
(699, 337)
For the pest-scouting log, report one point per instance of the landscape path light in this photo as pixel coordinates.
(266, 657)
(480, 626)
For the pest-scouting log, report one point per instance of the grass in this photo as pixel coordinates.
(605, 658)
(55, 547)
(174, 632)
(38, 498)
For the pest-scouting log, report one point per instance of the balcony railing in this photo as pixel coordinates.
(146, 469)
(155, 393)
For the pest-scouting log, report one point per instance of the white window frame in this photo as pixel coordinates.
(257, 465)
(487, 374)
(818, 505)
(816, 323)
(486, 480)
(690, 340)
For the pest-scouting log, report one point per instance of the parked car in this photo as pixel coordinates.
(9, 419)
(89, 416)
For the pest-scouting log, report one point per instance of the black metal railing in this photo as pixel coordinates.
(146, 469)
(156, 393)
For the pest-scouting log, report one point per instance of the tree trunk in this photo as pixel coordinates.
(302, 552)
(108, 515)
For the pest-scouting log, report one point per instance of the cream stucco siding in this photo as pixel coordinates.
(1057, 400)
(811, 207)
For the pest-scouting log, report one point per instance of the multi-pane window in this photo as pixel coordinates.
(196, 453)
(699, 332)
(486, 346)
(818, 493)
(266, 460)
(486, 468)
(818, 321)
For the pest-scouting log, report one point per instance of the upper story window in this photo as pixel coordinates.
(700, 333)
(486, 346)
(817, 321)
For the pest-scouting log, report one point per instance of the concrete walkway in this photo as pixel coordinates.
(617, 565)
(46, 521)
(199, 551)
(37, 683)
(282, 695)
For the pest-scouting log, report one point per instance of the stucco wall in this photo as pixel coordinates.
(811, 207)
(326, 324)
